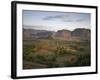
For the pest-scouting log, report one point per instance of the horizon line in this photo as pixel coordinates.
(57, 30)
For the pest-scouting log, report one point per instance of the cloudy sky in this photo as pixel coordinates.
(54, 21)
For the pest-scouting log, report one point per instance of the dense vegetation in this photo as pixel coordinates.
(49, 53)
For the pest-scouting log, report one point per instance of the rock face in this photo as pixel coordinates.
(62, 34)
(81, 34)
(76, 35)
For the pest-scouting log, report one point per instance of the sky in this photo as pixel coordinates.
(53, 21)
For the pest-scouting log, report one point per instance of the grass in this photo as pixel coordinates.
(49, 53)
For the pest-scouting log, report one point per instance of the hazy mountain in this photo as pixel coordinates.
(77, 34)
(33, 33)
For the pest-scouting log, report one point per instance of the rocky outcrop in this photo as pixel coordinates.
(62, 34)
(75, 35)
(81, 34)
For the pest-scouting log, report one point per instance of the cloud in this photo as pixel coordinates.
(55, 17)
(74, 20)
(64, 18)
(80, 20)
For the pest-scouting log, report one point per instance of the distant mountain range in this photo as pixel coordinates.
(75, 35)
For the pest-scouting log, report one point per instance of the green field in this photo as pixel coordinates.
(49, 53)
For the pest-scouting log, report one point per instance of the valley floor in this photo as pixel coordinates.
(50, 53)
